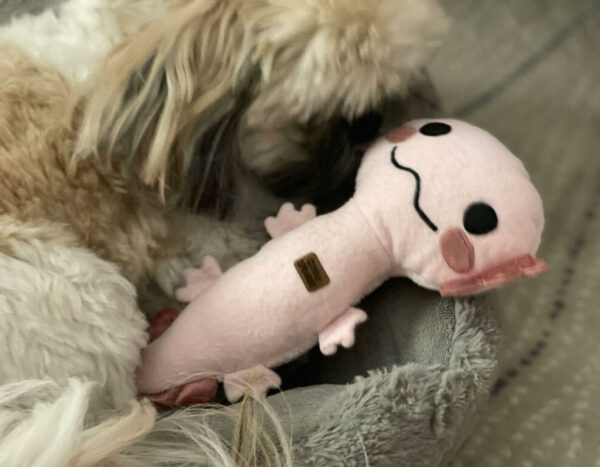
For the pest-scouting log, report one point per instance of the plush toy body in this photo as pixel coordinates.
(442, 202)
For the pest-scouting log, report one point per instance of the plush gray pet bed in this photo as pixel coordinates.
(426, 367)
(407, 394)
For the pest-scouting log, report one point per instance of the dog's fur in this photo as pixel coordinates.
(92, 177)
(280, 73)
(75, 38)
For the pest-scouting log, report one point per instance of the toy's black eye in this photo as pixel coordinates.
(435, 129)
(480, 218)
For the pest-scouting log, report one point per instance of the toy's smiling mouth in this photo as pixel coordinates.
(458, 254)
(415, 174)
(504, 273)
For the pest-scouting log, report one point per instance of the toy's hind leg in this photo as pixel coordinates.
(341, 330)
(258, 379)
(196, 392)
(66, 313)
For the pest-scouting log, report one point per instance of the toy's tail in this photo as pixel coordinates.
(44, 424)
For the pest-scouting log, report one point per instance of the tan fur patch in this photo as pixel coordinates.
(294, 62)
(41, 184)
(183, 70)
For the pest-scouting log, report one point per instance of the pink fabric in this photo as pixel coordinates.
(259, 312)
(405, 219)
(457, 250)
(196, 392)
(465, 166)
(400, 134)
(509, 271)
(161, 321)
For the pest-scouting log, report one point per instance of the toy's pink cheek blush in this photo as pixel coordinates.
(400, 134)
(457, 250)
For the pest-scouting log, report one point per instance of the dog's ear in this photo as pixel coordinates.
(158, 91)
(297, 61)
(325, 58)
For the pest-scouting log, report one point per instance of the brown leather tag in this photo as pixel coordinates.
(311, 272)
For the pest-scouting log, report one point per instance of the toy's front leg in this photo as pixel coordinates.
(288, 218)
(198, 279)
(341, 331)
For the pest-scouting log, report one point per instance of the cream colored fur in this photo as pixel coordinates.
(75, 235)
(43, 424)
(76, 37)
(82, 221)
(296, 62)
(63, 302)
(318, 58)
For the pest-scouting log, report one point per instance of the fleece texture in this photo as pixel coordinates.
(264, 312)
(413, 414)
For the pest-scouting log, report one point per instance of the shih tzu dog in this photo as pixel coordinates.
(136, 136)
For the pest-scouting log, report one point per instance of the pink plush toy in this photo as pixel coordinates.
(441, 202)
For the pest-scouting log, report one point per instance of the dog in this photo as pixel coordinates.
(119, 124)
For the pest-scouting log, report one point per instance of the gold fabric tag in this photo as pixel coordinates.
(311, 272)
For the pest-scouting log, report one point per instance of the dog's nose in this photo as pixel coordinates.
(457, 250)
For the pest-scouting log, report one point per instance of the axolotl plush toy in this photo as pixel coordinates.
(441, 202)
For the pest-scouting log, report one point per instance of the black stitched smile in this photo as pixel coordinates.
(422, 214)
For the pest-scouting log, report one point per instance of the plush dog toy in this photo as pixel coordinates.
(441, 202)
